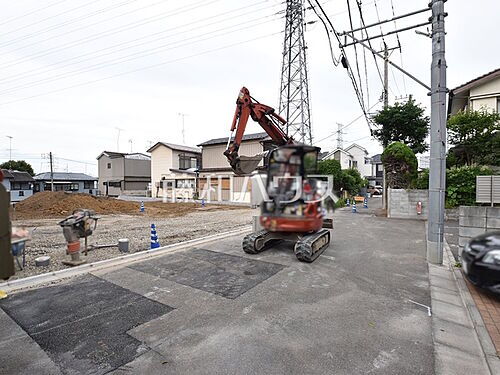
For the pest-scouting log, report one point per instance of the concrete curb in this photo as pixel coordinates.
(32, 281)
(487, 346)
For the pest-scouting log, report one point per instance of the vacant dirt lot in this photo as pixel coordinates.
(175, 222)
(60, 204)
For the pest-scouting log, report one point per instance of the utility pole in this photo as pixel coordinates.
(51, 172)
(118, 139)
(340, 138)
(386, 104)
(294, 91)
(437, 167)
(10, 146)
(183, 129)
(130, 141)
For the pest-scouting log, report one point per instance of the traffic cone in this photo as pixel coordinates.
(365, 203)
(348, 202)
(142, 207)
(154, 238)
(354, 207)
(202, 202)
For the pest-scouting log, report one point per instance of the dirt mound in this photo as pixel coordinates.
(60, 204)
(51, 204)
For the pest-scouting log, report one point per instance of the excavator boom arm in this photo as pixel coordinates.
(265, 116)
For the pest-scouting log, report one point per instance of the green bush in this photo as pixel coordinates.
(422, 180)
(461, 185)
(400, 164)
(352, 182)
(332, 168)
(340, 203)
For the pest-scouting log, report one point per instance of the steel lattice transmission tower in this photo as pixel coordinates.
(294, 93)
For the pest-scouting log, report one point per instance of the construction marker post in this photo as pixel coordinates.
(202, 202)
(365, 202)
(353, 210)
(142, 207)
(154, 238)
(348, 202)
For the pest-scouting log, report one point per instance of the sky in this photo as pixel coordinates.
(83, 76)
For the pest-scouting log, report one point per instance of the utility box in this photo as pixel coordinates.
(488, 189)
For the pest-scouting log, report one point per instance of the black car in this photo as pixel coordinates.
(481, 261)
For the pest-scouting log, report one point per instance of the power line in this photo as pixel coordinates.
(107, 33)
(57, 26)
(355, 50)
(129, 57)
(48, 18)
(25, 74)
(141, 69)
(32, 12)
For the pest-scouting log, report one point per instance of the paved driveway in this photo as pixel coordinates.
(218, 310)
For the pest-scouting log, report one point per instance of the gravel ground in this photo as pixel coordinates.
(47, 237)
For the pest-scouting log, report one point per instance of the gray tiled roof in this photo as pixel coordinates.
(17, 176)
(64, 176)
(174, 146)
(247, 137)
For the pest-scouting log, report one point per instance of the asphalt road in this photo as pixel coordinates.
(218, 310)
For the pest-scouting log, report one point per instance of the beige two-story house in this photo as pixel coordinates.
(174, 170)
(216, 178)
(480, 93)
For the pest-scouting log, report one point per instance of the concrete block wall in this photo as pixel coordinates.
(402, 204)
(474, 221)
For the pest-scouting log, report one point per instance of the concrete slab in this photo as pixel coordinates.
(451, 361)
(450, 312)
(446, 295)
(456, 335)
(82, 325)
(444, 283)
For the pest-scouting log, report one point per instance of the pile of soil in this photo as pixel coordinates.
(61, 204)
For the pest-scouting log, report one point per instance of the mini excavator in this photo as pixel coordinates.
(292, 210)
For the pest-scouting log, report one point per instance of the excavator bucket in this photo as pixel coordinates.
(246, 164)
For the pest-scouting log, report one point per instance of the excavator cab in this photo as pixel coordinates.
(292, 205)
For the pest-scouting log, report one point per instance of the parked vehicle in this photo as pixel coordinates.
(481, 261)
(374, 190)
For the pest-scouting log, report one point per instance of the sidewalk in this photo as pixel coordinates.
(462, 344)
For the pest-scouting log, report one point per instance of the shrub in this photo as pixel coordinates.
(400, 164)
(461, 184)
(422, 180)
(352, 182)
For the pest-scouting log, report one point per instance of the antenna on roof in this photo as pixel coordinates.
(118, 138)
(130, 141)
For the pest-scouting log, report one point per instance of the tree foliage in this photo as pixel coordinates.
(332, 168)
(476, 137)
(400, 164)
(405, 123)
(18, 165)
(349, 180)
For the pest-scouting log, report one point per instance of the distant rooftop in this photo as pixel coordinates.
(64, 176)
(247, 137)
(174, 146)
(17, 176)
(132, 155)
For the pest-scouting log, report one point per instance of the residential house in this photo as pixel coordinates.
(376, 176)
(482, 92)
(122, 173)
(217, 177)
(354, 156)
(174, 170)
(65, 181)
(19, 184)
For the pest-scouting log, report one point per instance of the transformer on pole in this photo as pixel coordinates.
(294, 93)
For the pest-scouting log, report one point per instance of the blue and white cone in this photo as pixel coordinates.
(348, 202)
(154, 238)
(354, 207)
(203, 202)
(365, 203)
(142, 207)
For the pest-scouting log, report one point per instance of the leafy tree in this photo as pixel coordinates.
(476, 137)
(351, 181)
(18, 165)
(400, 164)
(331, 168)
(405, 123)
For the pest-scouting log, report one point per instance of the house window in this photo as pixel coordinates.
(184, 184)
(368, 161)
(19, 186)
(350, 163)
(88, 184)
(21, 193)
(74, 187)
(114, 184)
(355, 164)
(109, 165)
(188, 161)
